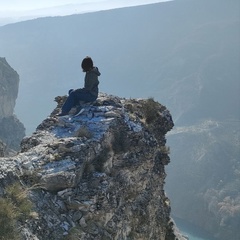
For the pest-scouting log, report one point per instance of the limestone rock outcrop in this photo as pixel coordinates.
(99, 175)
(11, 129)
(2, 149)
(12, 132)
(9, 82)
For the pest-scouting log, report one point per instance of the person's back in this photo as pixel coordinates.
(87, 94)
(91, 81)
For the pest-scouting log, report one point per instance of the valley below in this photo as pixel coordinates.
(186, 55)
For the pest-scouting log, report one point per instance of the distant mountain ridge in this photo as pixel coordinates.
(67, 9)
(184, 53)
(160, 48)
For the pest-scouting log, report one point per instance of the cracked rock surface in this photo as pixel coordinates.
(99, 175)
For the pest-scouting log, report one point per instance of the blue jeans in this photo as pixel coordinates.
(75, 96)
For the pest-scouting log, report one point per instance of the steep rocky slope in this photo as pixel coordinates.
(9, 81)
(211, 161)
(183, 53)
(11, 129)
(96, 176)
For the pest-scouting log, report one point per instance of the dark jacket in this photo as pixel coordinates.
(91, 81)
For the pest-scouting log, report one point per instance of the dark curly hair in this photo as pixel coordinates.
(87, 64)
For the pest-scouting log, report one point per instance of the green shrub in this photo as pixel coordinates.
(165, 150)
(150, 110)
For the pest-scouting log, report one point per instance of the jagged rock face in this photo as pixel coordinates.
(2, 149)
(12, 130)
(9, 81)
(11, 133)
(99, 175)
(212, 156)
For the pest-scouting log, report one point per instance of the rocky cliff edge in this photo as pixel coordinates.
(11, 129)
(96, 176)
(9, 82)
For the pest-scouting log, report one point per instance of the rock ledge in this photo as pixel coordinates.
(96, 176)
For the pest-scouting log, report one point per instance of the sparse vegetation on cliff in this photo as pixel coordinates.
(14, 206)
(99, 187)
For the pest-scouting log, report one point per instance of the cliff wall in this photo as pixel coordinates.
(9, 82)
(11, 129)
(96, 176)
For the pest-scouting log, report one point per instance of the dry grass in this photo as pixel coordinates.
(14, 206)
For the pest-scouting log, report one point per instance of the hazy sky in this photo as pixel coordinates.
(18, 10)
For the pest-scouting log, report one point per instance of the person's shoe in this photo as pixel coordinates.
(61, 114)
(79, 111)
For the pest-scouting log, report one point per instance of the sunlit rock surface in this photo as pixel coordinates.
(99, 175)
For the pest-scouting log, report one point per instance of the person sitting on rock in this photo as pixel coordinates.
(87, 94)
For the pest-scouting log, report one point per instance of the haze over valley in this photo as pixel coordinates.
(183, 53)
(12, 11)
